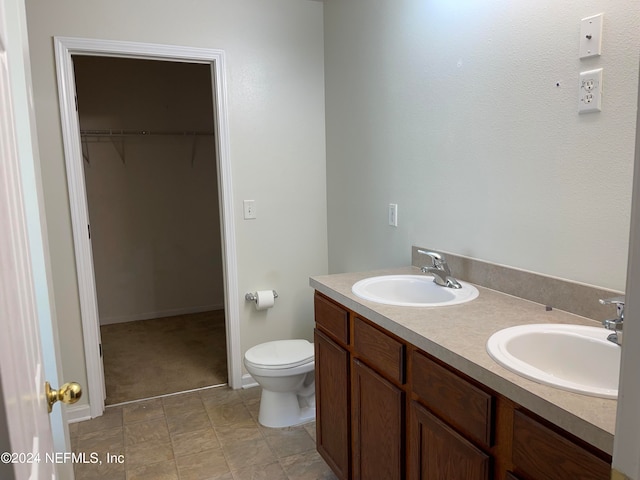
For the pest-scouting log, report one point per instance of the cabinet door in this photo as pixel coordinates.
(437, 452)
(332, 404)
(540, 452)
(377, 416)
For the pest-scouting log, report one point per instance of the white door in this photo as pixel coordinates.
(25, 310)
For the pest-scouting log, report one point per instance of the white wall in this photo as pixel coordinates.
(451, 109)
(153, 200)
(275, 76)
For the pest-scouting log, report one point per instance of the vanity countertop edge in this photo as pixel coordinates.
(457, 335)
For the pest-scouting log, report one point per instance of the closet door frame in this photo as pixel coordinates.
(65, 48)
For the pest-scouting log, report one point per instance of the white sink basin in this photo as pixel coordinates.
(570, 357)
(412, 291)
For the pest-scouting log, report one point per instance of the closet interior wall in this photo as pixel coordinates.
(152, 192)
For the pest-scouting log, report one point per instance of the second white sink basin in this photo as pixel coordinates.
(412, 291)
(576, 358)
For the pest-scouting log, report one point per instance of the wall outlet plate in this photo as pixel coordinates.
(591, 36)
(590, 91)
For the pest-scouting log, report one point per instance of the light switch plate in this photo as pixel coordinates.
(249, 209)
(591, 36)
(393, 214)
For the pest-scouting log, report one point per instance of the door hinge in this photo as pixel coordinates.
(100, 349)
(89, 231)
(76, 97)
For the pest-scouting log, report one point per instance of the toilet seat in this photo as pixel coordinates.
(280, 354)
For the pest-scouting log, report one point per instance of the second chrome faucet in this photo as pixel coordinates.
(615, 324)
(440, 270)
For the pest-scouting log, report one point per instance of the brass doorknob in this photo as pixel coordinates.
(69, 393)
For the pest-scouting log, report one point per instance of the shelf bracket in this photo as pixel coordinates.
(85, 150)
(119, 148)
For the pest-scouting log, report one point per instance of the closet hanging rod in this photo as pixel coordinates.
(145, 133)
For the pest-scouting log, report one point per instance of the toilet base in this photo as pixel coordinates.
(286, 409)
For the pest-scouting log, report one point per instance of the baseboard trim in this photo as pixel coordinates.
(248, 381)
(78, 413)
(160, 314)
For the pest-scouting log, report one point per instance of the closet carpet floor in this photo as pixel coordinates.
(147, 358)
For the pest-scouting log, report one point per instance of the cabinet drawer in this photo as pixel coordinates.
(453, 399)
(379, 350)
(540, 452)
(332, 319)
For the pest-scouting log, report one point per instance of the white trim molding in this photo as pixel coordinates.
(248, 381)
(78, 413)
(65, 47)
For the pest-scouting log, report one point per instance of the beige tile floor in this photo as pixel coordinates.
(212, 434)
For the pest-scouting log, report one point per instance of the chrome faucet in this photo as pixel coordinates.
(440, 270)
(616, 323)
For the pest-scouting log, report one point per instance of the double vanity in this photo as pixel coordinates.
(410, 390)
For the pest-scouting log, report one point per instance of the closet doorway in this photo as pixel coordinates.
(77, 152)
(146, 128)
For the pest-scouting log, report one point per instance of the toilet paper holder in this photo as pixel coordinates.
(253, 296)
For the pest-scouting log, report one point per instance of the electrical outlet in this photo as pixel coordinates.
(393, 214)
(590, 91)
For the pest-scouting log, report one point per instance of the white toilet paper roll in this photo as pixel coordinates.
(265, 299)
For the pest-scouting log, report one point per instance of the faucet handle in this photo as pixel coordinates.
(618, 302)
(613, 300)
(436, 258)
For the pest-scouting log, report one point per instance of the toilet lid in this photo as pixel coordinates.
(280, 354)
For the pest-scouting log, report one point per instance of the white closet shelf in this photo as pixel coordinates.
(93, 136)
(142, 133)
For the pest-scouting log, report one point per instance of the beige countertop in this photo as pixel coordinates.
(458, 334)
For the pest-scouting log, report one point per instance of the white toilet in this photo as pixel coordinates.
(285, 371)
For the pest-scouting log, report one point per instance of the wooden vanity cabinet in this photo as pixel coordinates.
(387, 410)
(360, 402)
(332, 371)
